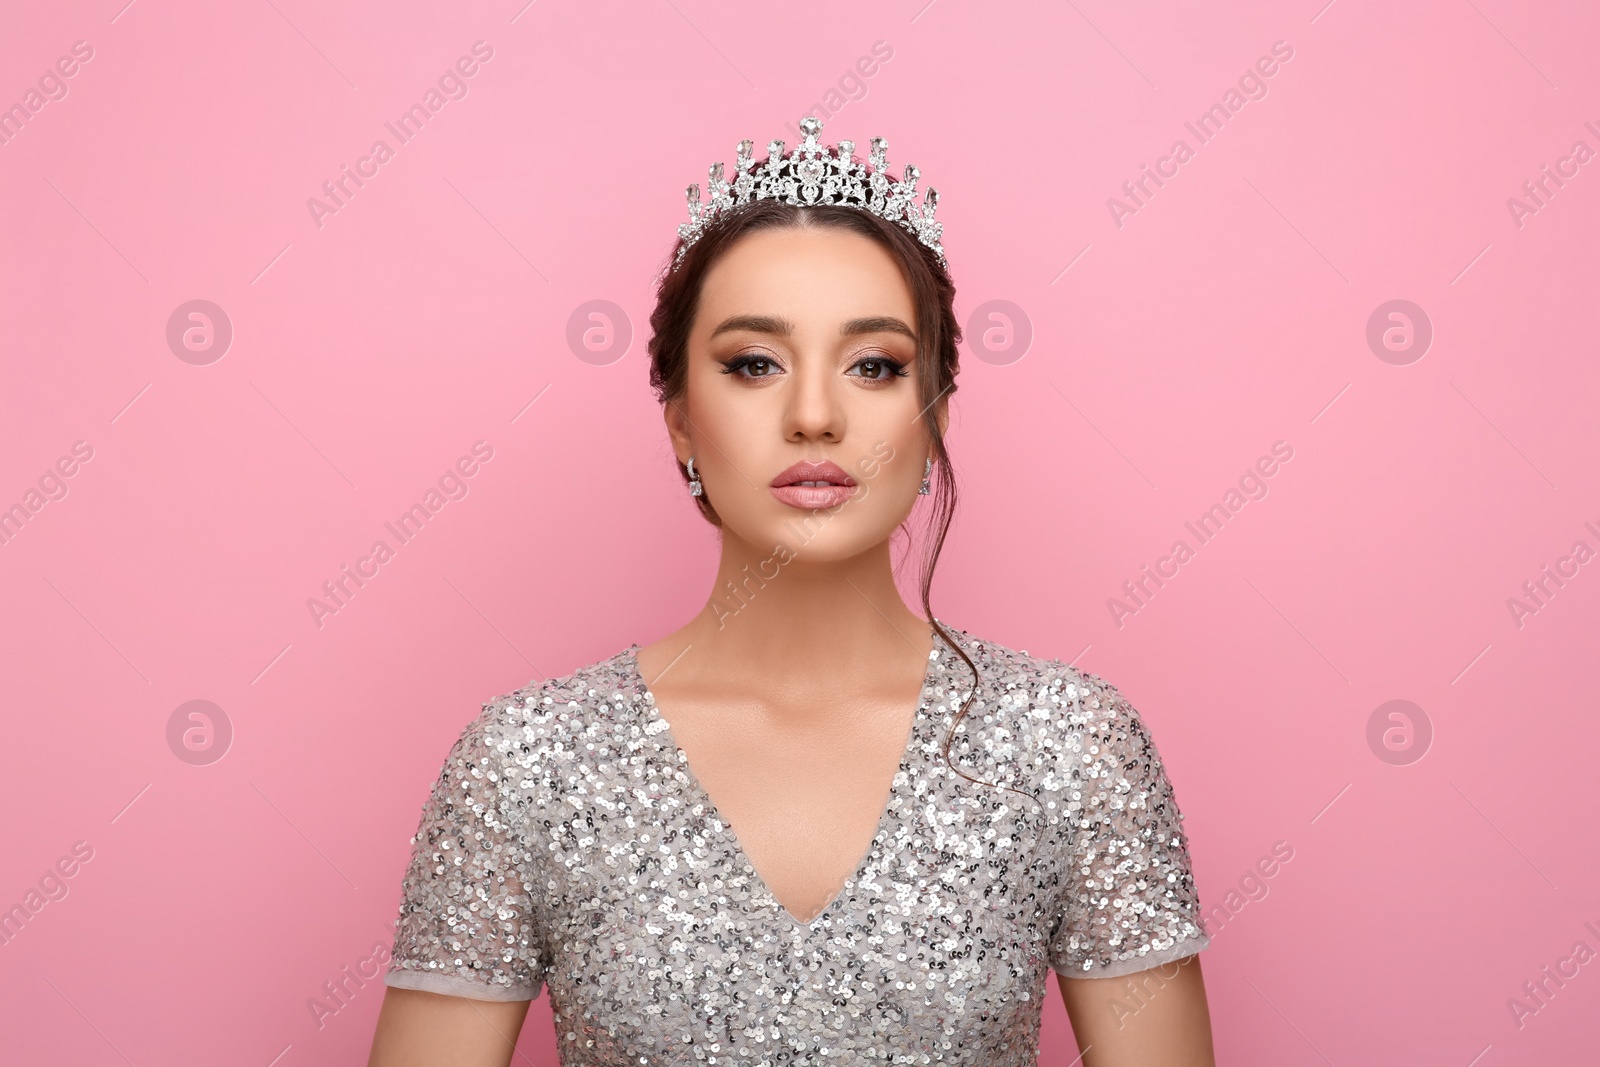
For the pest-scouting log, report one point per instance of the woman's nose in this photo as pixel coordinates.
(815, 409)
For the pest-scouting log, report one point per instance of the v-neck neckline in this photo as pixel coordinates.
(669, 743)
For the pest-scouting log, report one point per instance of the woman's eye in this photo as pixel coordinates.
(879, 369)
(758, 366)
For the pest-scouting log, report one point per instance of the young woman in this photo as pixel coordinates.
(812, 825)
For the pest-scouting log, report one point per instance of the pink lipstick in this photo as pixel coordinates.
(813, 485)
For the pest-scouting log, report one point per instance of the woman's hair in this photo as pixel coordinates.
(938, 338)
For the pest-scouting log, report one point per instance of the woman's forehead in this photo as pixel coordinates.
(807, 278)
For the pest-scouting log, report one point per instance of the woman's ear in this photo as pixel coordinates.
(678, 429)
(941, 412)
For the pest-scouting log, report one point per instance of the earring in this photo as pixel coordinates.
(695, 488)
(926, 470)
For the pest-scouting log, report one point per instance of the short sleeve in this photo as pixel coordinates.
(466, 926)
(1128, 895)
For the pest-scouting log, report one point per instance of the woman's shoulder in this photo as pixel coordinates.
(1046, 720)
(1038, 684)
(1060, 733)
(549, 713)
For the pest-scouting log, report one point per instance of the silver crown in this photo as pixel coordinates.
(811, 176)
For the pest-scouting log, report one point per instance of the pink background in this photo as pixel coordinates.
(1168, 354)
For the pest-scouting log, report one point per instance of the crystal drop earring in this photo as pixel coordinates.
(927, 469)
(695, 488)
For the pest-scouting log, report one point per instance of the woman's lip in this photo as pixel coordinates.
(811, 497)
(810, 471)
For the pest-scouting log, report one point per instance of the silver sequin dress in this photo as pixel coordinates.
(567, 845)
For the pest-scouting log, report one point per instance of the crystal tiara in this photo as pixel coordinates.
(814, 175)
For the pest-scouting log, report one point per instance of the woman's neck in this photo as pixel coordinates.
(773, 614)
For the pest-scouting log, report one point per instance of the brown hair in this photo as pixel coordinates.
(938, 338)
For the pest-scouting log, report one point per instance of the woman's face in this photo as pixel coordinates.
(804, 350)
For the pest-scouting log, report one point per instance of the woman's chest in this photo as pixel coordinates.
(657, 928)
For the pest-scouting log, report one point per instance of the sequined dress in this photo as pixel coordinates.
(566, 845)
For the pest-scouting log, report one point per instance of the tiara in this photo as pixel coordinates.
(812, 176)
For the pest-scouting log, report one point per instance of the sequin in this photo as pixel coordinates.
(565, 845)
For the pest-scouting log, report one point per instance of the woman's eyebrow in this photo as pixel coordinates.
(756, 324)
(877, 324)
(782, 327)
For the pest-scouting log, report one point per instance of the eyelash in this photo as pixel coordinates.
(893, 367)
